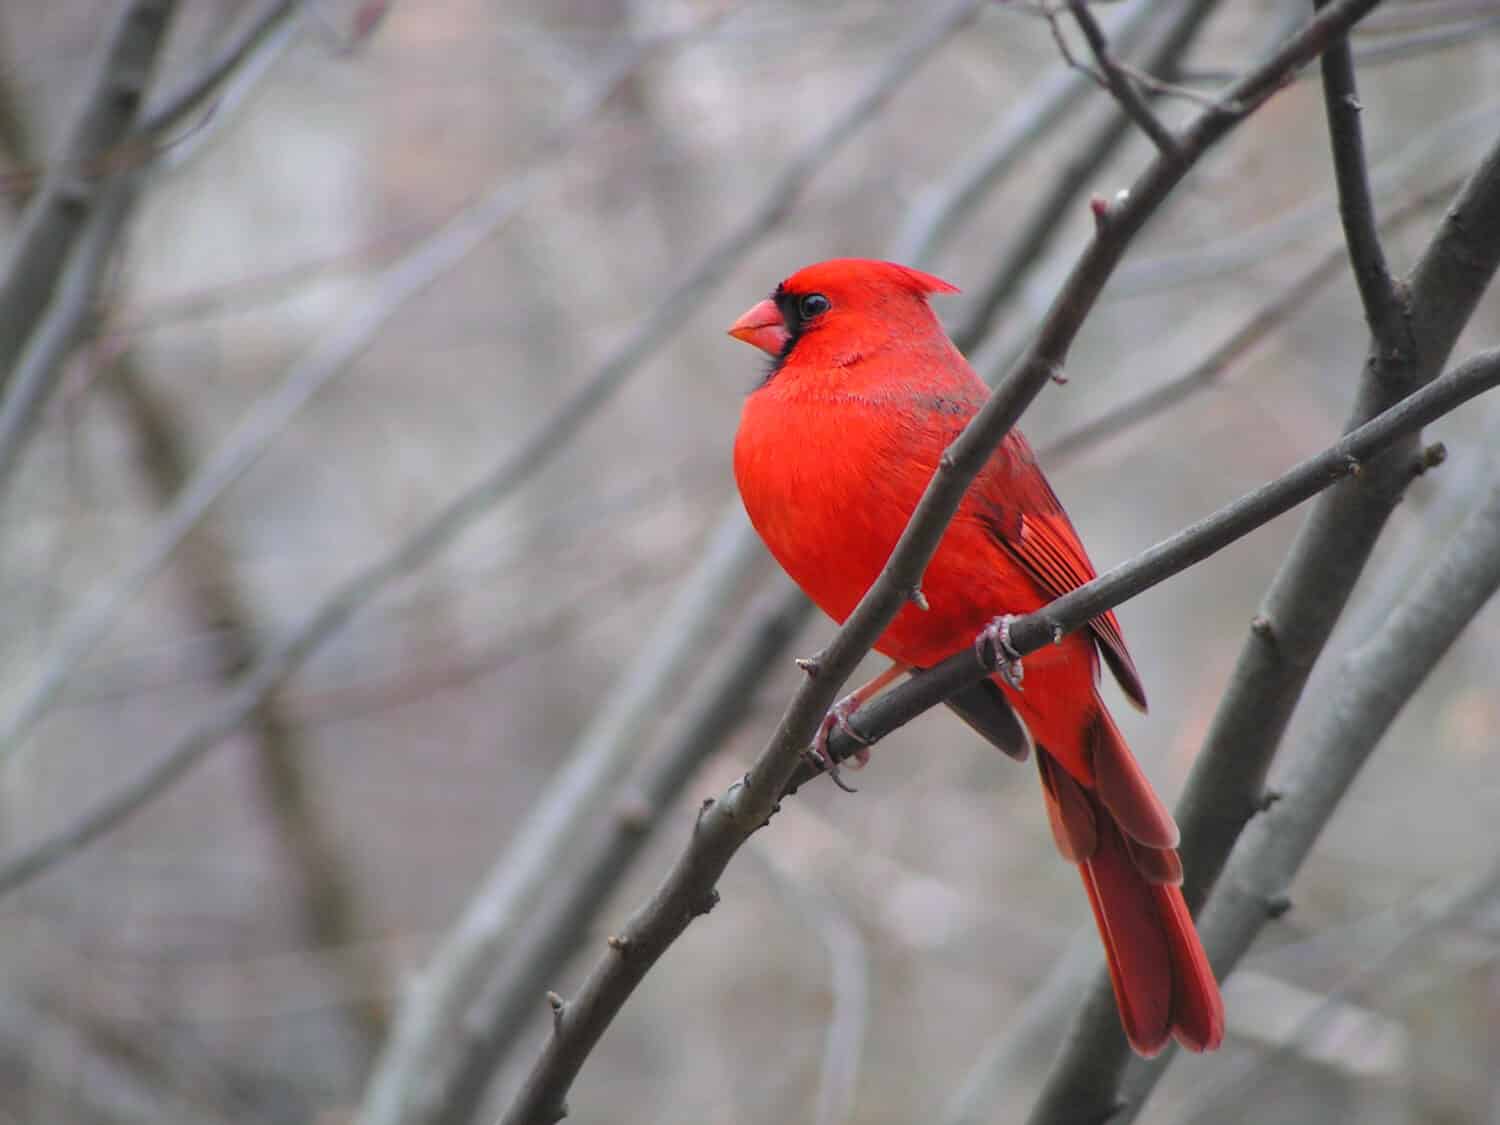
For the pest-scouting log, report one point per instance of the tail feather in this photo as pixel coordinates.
(1162, 980)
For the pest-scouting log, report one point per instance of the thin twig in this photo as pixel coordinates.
(165, 112)
(848, 982)
(1113, 77)
(1042, 225)
(1292, 296)
(1385, 309)
(940, 207)
(723, 825)
(405, 279)
(56, 215)
(324, 894)
(1372, 685)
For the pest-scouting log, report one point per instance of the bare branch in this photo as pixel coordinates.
(435, 1035)
(1001, 1061)
(64, 321)
(1291, 298)
(1348, 457)
(725, 824)
(848, 981)
(554, 936)
(165, 112)
(1225, 788)
(400, 282)
(439, 1061)
(1385, 310)
(940, 207)
(1113, 77)
(57, 214)
(1371, 686)
(1041, 226)
(324, 895)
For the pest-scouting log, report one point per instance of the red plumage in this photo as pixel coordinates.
(834, 450)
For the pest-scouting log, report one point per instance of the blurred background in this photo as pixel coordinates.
(635, 173)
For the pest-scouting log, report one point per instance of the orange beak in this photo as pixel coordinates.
(763, 327)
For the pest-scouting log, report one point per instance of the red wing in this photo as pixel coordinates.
(1048, 549)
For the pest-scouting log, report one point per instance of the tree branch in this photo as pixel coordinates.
(1345, 458)
(401, 281)
(939, 208)
(723, 825)
(324, 894)
(1292, 297)
(1113, 77)
(1385, 310)
(192, 92)
(1225, 788)
(57, 213)
(63, 322)
(1371, 686)
(1041, 226)
(437, 1065)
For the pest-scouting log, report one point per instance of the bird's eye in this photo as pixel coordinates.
(811, 305)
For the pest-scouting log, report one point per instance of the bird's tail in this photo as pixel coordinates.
(1163, 983)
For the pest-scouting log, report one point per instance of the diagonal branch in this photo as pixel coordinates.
(192, 92)
(329, 359)
(62, 324)
(1039, 228)
(726, 823)
(1292, 296)
(1371, 686)
(56, 215)
(1297, 616)
(1346, 458)
(940, 207)
(1385, 308)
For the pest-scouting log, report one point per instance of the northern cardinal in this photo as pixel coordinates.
(834, 449)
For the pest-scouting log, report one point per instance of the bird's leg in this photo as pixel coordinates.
(838, 719)
(994, 650)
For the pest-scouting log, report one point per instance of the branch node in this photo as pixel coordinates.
(1353, 102)
(812, 665)
(917, 598)
(1352, 466)
(706, 903)
(1099, 208)
(619, 943)
(1277, 906)
(634, 812)
(558, 1006)
(708, 803)
(947, 462)
(1267, 799)
(1430, 458)
(1103, 211)
(1261, 626)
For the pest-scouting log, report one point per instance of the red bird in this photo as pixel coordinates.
(835, 447)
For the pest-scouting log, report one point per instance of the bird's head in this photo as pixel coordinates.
(834, 311)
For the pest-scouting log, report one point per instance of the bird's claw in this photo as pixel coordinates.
(838, 719)
(994, 649)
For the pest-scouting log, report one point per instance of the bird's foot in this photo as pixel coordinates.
(838, 719)
(994, 650)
